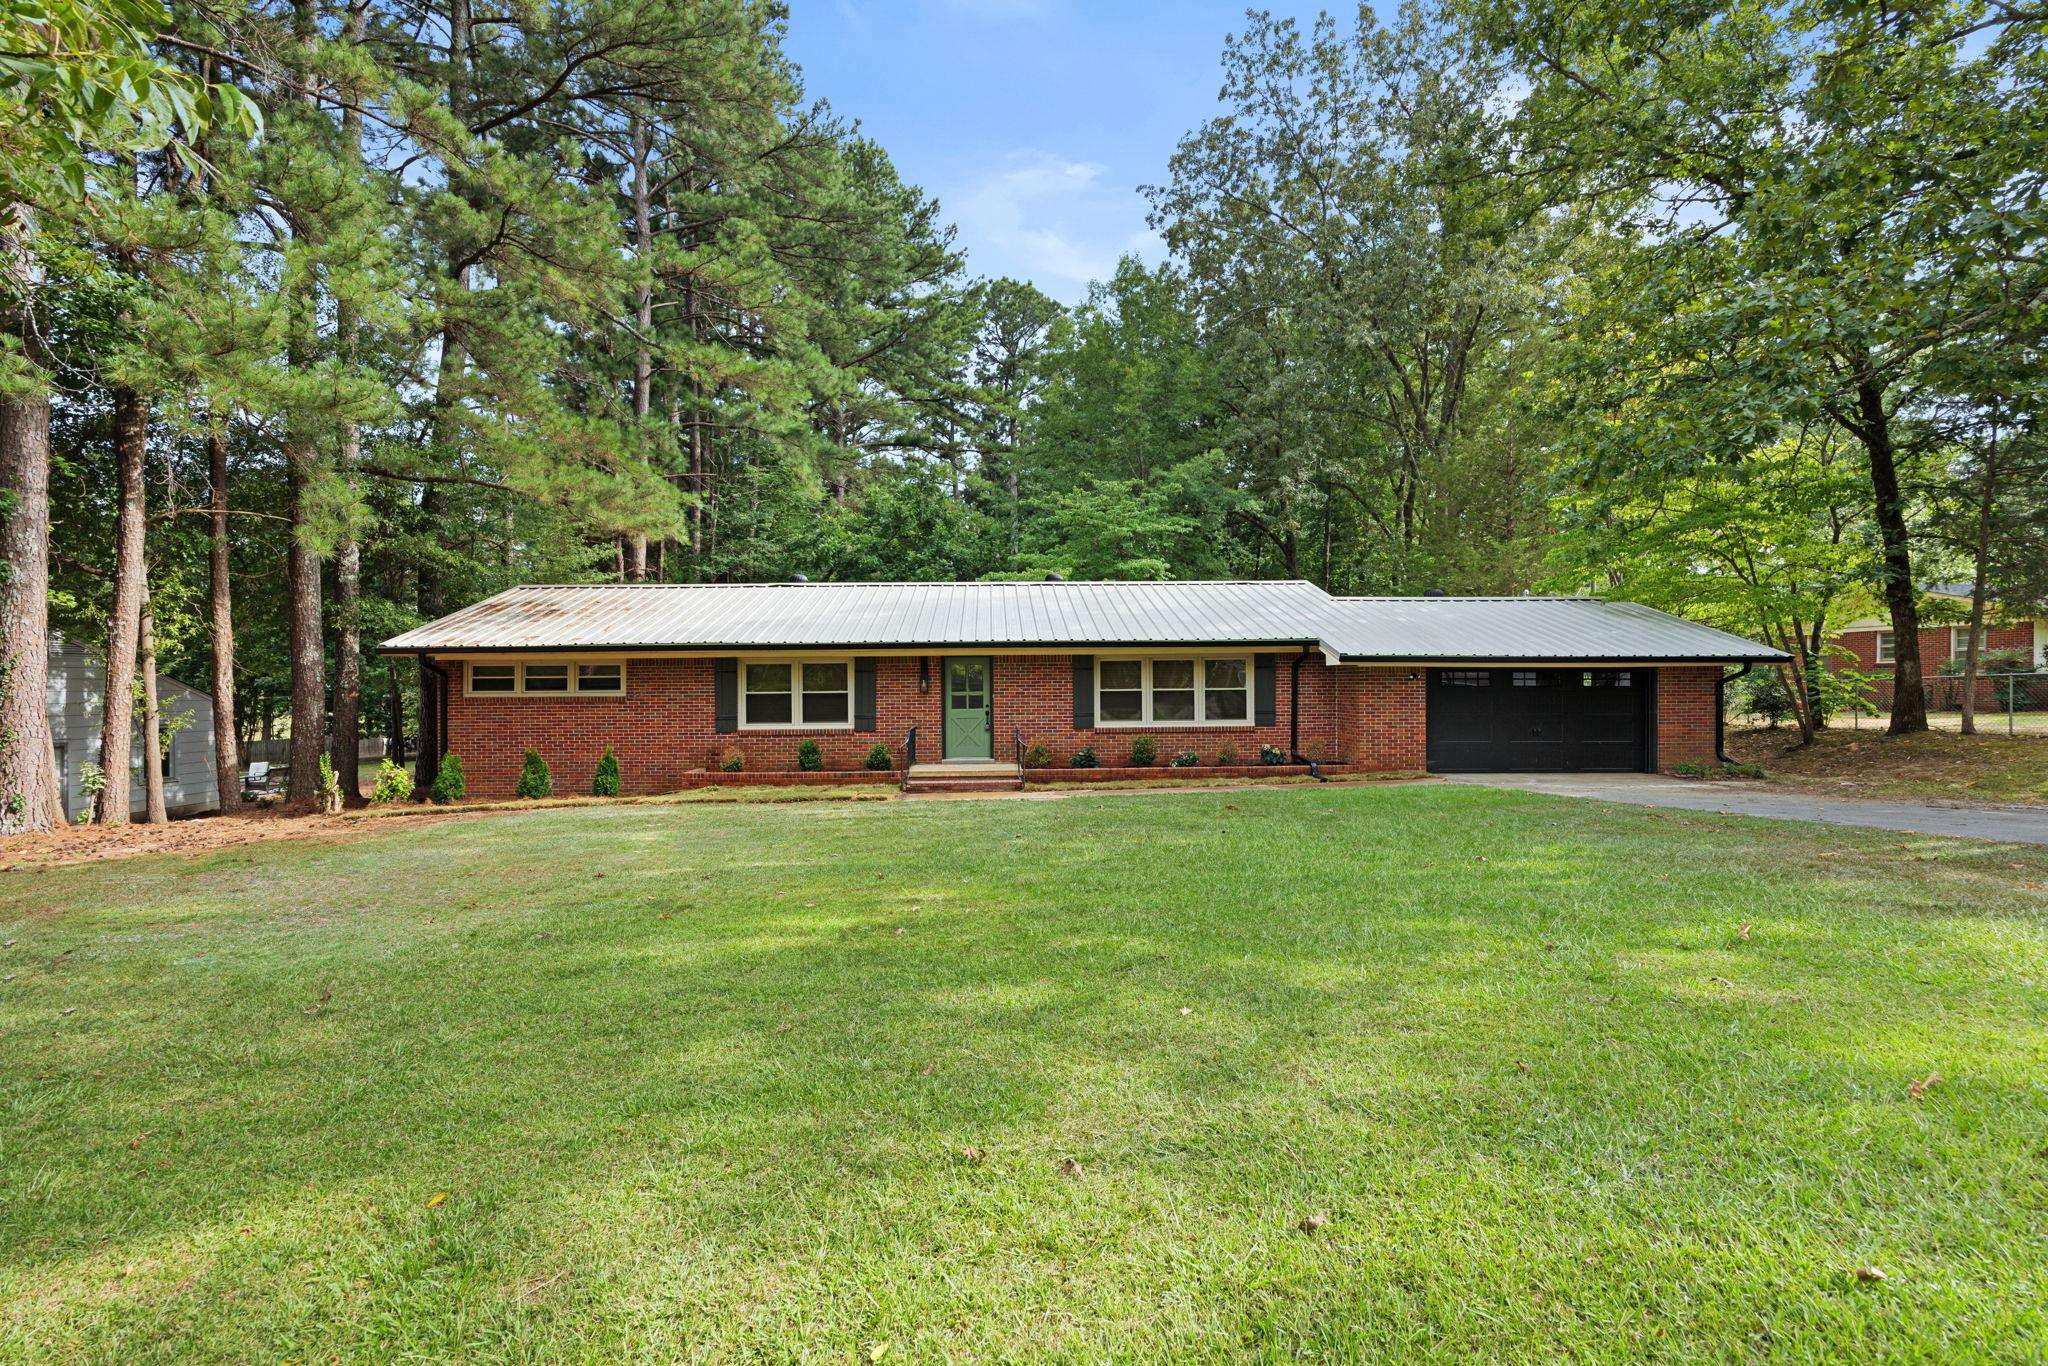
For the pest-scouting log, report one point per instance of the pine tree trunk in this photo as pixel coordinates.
(1986, 497)
(154, 810)
(227, 747)
(1909, 689)
(31, 798)
(124, 616)
(346, 744)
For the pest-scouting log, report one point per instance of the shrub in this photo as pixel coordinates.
(2000, 661)
(880, 758)
(1694, 768)
(1084, 757)
(732, 761)
(1144, 751)
(1766, 696)
(1038, 756)
(92, 782)
(449, 784)
(394, 784)
(327, 785)
(605, 782)
(808, 758)
(1187, 758)
(1227, 756)
(534, 778)
(1272, 754)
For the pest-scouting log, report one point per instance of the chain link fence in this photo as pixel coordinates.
(2007, 704)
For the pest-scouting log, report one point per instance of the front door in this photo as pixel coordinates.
(968, 734)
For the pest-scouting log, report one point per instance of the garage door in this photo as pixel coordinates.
(1539, 720)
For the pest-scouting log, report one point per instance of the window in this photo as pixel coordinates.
(494, 678)
(544, 679)
(1884, 647)
(1527, 678)
(600, 678)
(1174, 691)
(1609, 678)
(547, 678)
(1467, 678)
(812, 692)
(1959, 641)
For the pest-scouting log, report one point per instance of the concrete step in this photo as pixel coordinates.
(963, 776)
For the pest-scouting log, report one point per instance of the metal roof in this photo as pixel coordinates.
(851, 616)
(1524, 629)
(877, 615)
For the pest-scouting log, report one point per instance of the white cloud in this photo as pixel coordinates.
(1050, 220)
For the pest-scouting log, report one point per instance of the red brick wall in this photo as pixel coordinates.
(664, 727)
(1686, 715)
(1934, 645)
(1384, 718)
(664, 730)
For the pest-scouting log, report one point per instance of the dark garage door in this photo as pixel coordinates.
(1539, 720)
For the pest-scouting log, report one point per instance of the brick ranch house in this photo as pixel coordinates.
(1870, 641)
(958, 681)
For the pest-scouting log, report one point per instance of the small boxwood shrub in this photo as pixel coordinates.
(732, 761)
(534, 778)
(1272, 754)
(393, 784)
(808, 758)
(880, 758)
(605, 782)
(1038, 756)
(1187, 758)
(449, 784)
(1144, 751)
(1084, 757)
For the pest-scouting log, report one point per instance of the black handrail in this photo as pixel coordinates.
(1020, 749)
(909, 753)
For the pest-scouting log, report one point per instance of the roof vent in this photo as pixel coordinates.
(1436, 593)
(1055, 577)
(799, 578)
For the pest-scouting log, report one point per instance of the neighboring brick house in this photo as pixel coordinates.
(1870, 642)
(687, 682)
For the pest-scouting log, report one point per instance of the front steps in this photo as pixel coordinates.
(964, 775)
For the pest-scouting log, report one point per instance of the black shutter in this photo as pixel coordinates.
(725, 675)
(1264, 713)
(864, 694)
(1084, 692)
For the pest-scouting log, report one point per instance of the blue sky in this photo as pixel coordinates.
(1032, 121)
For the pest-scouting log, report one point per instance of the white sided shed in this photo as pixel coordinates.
(78, 683)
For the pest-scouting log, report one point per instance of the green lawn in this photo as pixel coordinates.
(764, 1080)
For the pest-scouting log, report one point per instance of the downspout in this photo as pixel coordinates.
(434, 715)
(1294, 718)
(1721, 682)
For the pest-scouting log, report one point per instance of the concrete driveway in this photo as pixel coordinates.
(2014, 824)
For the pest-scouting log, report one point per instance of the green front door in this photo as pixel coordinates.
(967, 708)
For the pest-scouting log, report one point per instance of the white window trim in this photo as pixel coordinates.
(796, 693)
(519, 689)
(1200, 721)
(1882, 650)
(1959, 641)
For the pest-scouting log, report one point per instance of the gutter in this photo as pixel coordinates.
(1721, 682)
(1294, 718)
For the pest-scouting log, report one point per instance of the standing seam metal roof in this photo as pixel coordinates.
(1059, 613)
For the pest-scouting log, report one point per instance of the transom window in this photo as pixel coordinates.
(1609, 678)
(547, 679)
(815, 693)
(1884, 647)
(1178, 690)
(1467, 678)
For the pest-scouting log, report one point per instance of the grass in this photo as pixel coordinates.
(781, 1081)
(1934, 765)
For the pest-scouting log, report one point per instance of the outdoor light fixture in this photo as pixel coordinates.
(924, 673)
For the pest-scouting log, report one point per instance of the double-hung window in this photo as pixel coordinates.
(547, 679)
(812, 693)
(1884, 647)
(1174, 690)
